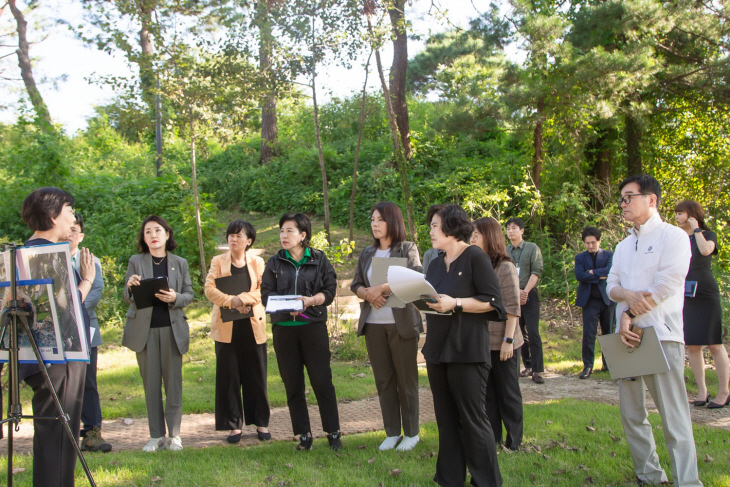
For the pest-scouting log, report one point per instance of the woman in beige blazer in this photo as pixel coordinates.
(240, 345)
(159, 334)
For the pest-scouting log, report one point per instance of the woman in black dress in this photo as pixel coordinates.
(457, 351)
(703, 313)
(240, 345)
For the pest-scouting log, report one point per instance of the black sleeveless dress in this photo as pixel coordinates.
(703, 313)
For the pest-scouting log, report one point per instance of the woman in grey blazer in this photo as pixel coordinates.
(391, 334)
(159, 334)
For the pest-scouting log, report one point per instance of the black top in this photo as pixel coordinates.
(160, 312)
(463, 337)
(67, 317)
(246, 279)
(700, 266)
(703, 313)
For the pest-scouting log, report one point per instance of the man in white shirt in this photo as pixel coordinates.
(647, 282)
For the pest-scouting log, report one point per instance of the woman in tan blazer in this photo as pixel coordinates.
(504, 398)
(240, 345)
(159, 334)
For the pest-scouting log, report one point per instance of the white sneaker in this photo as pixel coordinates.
(155, 444)
(389, 443)
(408, 443)
(174, 444)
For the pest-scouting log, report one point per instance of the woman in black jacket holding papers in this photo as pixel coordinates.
(300, 338)
(391, 334)
(457, 351)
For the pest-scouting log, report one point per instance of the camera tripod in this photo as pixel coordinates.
(14, 317)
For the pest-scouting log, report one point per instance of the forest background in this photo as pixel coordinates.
(220, 114)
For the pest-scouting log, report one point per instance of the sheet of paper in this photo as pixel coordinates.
(288, 302)
(380, 276)
(409, 285)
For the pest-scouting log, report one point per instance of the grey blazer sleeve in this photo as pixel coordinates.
(414, 260)
(185, 297)
(131, 270)
(94, 296)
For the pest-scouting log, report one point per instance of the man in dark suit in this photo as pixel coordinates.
(591, 270)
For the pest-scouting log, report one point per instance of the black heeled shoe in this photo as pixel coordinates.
(263, 436)
(702, 403)
(234, 438)
(714, 405)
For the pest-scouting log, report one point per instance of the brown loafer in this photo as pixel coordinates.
(526, 373)
(537, 378)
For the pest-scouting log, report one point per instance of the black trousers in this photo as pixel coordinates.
(91, 407)
(504, 399)
(240, 380)
(465, 435)
(530, 327)
(306, 346)
(54, 456)
(595, 312)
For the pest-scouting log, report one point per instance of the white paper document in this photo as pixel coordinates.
(277, 304)
(409, 285)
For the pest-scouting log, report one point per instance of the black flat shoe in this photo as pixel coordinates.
(714, 405)
(586, 373)
(699, 403)
(234, 438)
(263, 436)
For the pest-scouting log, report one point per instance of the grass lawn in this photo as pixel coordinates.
(569, 456)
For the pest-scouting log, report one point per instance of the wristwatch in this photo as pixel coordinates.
(508, 340)
(630, 314)
(458, 308)
(697, 230)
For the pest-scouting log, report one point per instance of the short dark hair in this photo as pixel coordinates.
(517, 221)
(455, 223)
(170, 245)
(647, 185)
(79, 221)
(237, 225)
(590, 232)
(303, 223)
(393, 217)
(42, 205)
(433, 209)
(694, 210)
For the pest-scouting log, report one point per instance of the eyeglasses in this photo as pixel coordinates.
(627, 197)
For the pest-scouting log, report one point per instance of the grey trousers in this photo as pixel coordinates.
(160, 362)
(670, 396)
(394, 362)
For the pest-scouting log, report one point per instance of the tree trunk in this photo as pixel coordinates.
(400, 161)
(537, 142)
(149, 87)
(632, 134)
(398, 73)
(203, 269)
(26, 70)
(269, 130)
(357, 149)
(325, 193)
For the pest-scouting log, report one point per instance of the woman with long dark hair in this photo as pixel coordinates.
(457, 351)
(240, 345)
(300, 338)
(504, 398)
(702, 311)
(391, 334)
(159, 334)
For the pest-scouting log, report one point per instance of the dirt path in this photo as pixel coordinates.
(358, 416)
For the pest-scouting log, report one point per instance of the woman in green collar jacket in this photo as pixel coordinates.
(301, 338)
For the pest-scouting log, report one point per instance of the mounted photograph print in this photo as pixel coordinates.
(36, 297)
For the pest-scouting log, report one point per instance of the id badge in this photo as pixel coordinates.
(518, 272)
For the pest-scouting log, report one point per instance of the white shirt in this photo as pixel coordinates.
(655, 259)
(382, 315)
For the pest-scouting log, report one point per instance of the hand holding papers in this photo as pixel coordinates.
(287, 303)
(411, 287)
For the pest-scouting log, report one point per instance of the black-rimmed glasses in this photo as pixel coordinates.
(626, 198)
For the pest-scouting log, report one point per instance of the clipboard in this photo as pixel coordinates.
(380, 276)
(624, 361)
(144, 293)
(284, 303)
(233, 286)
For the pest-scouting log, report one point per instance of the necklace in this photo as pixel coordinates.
(448, 264)
(160, 262)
